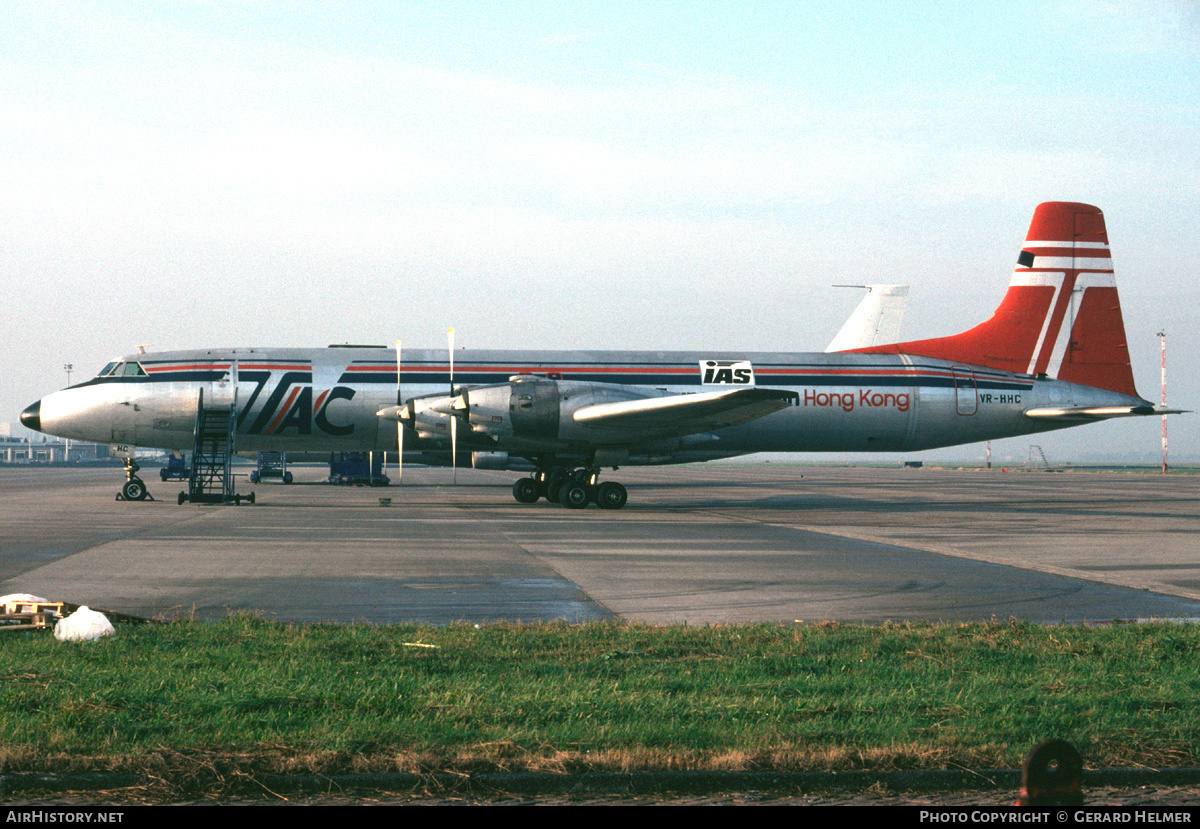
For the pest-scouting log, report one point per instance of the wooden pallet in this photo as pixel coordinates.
(29, 615)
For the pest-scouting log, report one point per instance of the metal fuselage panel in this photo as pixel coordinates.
(321, 400)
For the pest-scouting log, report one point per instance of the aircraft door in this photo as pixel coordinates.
(222, 391)
(966, 393)
(123, 423)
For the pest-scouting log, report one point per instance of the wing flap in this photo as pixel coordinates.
(686, 414)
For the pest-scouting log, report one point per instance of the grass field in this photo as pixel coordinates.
(261, 696)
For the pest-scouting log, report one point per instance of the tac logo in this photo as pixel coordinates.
(726, 373)
(292, 404)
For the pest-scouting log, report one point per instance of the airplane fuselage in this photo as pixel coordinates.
(1052, 355)
(327, 399)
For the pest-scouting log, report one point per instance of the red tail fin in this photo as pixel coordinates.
(1061, 316)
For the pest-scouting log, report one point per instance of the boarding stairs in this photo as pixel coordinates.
(211, 481)
(1036, 453)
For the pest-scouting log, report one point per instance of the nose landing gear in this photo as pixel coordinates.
(134, 488)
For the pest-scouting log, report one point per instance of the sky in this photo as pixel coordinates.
(675, 175)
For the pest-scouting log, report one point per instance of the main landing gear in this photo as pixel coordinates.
(573, 488)
(134, 488)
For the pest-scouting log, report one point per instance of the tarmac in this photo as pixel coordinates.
(705, 544)
(709, 544)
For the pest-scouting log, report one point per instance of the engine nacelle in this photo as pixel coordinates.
(500, 460)
(540, 410)
(489, 460)
(526, 414)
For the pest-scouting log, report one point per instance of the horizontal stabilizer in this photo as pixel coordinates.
(1098, 412)
(686, 414)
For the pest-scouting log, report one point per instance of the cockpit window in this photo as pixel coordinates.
(119, 369)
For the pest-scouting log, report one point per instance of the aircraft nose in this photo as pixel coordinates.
(31, 418)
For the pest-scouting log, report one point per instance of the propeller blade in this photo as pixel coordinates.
(399, 423)
(454, 449)
(453, 418)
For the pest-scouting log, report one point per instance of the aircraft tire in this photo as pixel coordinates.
(574, 496)
(525, 490)
(555, 479)
(611, 495)
(134, 490)
(183, 496)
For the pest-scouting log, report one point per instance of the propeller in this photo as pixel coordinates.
(431, 409)
(453, 416)
(399, 423)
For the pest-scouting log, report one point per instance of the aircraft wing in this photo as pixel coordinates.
(686, 414)
(1097, 412)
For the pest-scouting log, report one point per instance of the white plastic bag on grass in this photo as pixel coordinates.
(83, 625)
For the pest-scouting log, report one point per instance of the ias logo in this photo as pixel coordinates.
(726, 373)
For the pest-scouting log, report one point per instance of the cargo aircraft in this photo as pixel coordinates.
(1052, 355)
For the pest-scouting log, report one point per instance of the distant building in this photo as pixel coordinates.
(18, 451)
